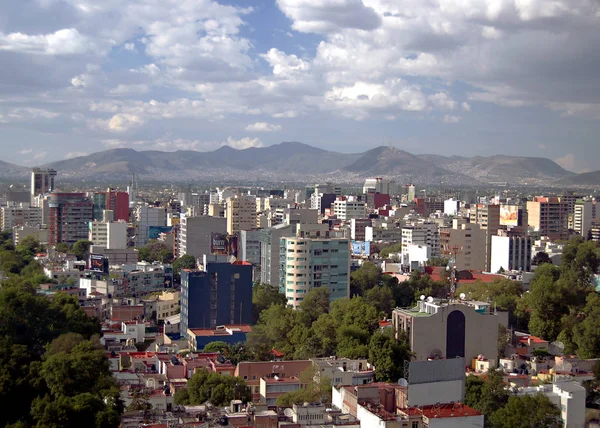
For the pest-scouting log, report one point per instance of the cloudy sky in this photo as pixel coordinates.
(429, 76)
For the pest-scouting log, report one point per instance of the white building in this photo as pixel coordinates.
(382, 233)
(194, 236)
(379, 185)
(110, 234)
(451, 207)
(148, 216)
(511, 253)
(19, 215)
(416, 255)
(426, 233)
(582, 217)
(249, 246)
(568, 396)
(346, 209)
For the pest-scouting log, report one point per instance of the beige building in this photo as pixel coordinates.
(20, 215)
(549, 216)
(488, 218)
(466, 244)
(240, 214)
(449, 329)
(583, 214)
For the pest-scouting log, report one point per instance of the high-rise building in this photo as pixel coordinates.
(426, 233)
(111, 235)
(346, 209)
(194, 235)
(465, 245)
(42, 181)
(269, 252)
(240, 214)
(511, 253)
(70, 215)
(549, 217)
(114, 201)
(379, 185)
(220, 294)
(487, 216)
(583, 214)
(312, 259)
(410, 192)
(20, 215)
(147, 216)
(249, 246)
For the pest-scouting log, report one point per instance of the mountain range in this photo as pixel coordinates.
(293, 161)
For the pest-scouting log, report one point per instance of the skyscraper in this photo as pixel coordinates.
(240, 214)
(42, 181)
(70, 215)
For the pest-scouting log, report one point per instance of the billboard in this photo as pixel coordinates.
(509, 215)
(223, 244)
(98, 263)
(155, 231)
(361, 248)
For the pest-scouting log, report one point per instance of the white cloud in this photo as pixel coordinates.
(466, 106)
(284, 65)
(244, 143)
(130, 47)
(62, 42)
(121, 122)
(72, 155)
(290, 114)
(568, 161)
(39, 156)
(25, 151)
(448, 118)
(129, 89)
(443, 101)
(262, 127)
(542, 146)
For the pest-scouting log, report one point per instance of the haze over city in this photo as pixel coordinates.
(469, 78)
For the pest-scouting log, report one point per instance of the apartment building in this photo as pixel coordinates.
(112, 200)
(218, 295)
(42, 181)
(147, 216)
(69, 217)
(583, 214)
(194, 234)
(346, 209)
(487, 216)
(310, 260)
(19, 215)
(111, 235)
(249, 246)
(549, 216)
(269, 251)
(379, 185)
(465, 245)
(425, 233)
(240, 214)
(511, 253)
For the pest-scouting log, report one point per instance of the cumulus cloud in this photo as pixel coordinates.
(129, 89)
(449, 118)
(62, 42)
(72, 155)
(263, 127)
(244, 143)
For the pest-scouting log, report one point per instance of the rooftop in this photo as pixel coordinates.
(450, 410)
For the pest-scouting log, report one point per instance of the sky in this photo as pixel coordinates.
(453, 77)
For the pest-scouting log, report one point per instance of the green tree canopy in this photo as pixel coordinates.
(81, 249)
(263, 296)
(217, 389)
(388, 356)
(527, 411)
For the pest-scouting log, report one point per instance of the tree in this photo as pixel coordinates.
(263, 296)
(184, 262)
(492, 393)
(438, 261)
(547, 301)
(385, 252)
(81, 249)
(541, 258)
(62, 247)
(314, 304)
(364, 278)
(156, 251)
(218, 346)
(586, 334)
(217, 389)
(527, 411)
(388, 356)
(473, 386)
(382, 298)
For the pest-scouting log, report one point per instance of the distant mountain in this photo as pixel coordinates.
(293, 161)
(9, 170)
(584, 179)
(501, 168)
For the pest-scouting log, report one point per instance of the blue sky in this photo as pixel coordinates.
(476, 77)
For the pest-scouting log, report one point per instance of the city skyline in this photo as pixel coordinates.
(476, 78)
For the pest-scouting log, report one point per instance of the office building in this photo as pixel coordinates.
(111, 235)
(310, 260)
(195, 234)
(269, 252)
(69, 218)
(426, 206)
(511, 253)
(451, 207)
(345, 209)
(549, 216)
(39, 232)
(465, 245)
(112, 200)
(220, 294)
(358, 227)
(147, 216)
(300, 215)
(249, 246)
(469, 329)
(240, 214)
(583, 214)
(411, 192)
(42, 181)
(379, 185)
(20, 215)
(425, 233)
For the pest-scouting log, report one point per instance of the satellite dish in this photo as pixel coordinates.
(462, 296)
(288, 412)
(422, 297)
(430, 299)
(402, 382)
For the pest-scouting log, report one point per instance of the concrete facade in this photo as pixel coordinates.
(194, 236)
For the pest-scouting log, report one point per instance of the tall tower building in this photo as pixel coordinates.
(549, 217)
(240, 214)
(42, 181)
(70, 215)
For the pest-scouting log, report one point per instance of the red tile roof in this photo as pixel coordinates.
(456, 410)
(277, 353)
